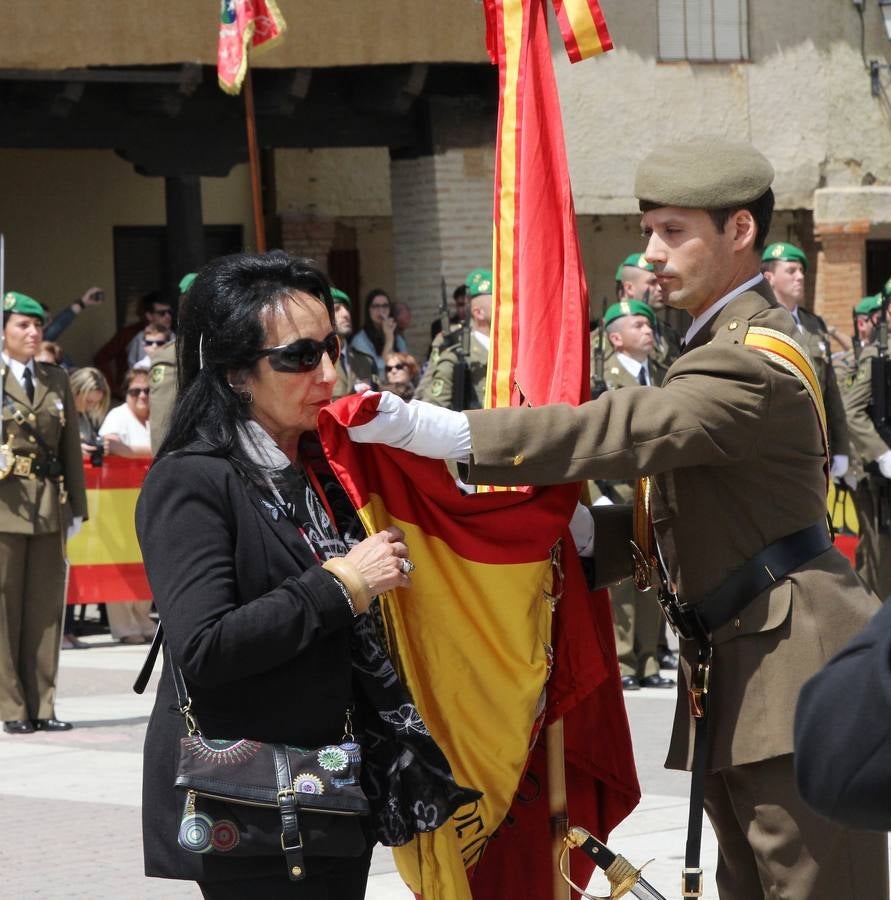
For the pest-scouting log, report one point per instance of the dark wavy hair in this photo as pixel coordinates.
(221, 322)
(370, 327)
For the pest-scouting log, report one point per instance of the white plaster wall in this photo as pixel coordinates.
(333, 181)
(803, 99)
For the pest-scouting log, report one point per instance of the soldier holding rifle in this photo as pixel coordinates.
(863, 379)
(732, 518)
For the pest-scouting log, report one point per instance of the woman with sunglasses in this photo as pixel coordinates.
(260, 571)
(125, 432)
(378, 337)
(402, 373)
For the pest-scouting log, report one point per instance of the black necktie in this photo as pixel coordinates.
(642, 376)
(28, 382)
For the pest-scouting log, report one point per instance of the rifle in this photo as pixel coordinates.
(7, 459)
(881, 416)
(856, 345)
(443, 307)
(598, 384)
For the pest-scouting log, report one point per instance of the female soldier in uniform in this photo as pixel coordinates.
(42, 498)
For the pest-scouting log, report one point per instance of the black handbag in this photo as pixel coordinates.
(249, 798)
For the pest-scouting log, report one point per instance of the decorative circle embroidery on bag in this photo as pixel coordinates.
(225, 836)
(333, 759)
(195, 833)
(352, 750)
(225, 753)
(307, 783)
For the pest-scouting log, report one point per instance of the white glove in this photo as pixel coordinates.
(838, 465)
(75, 526)
(420, 428)
(884, 462)
(582, 527)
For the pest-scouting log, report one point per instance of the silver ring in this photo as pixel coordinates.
(407, 566)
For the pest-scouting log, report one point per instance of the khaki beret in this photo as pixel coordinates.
(711, 173)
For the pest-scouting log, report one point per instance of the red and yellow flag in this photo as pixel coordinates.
(498, 634)
(105, 559)
(245, 24)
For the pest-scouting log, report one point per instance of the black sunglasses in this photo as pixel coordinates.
(150, 343)
(135, 392)
(303, 355)
(398, 367)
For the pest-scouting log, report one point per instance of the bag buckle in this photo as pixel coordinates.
(283, 793)
(286, 849)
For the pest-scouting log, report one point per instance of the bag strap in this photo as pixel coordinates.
(292, 841)
(146, 671)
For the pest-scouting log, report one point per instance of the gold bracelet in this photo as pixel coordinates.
(352, 579)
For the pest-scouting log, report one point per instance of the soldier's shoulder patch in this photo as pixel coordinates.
(157, 375)
(434, 356)
(437, 387)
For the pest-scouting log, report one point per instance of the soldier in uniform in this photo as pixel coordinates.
(42, 498)
(636, 280)
(439, 384)
(733, 445)
(783, 267)
(871, 462)
(637, 619)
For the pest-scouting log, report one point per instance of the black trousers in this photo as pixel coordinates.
(344, 881)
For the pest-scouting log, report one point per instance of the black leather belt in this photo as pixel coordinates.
(757, 574)
(28, 465)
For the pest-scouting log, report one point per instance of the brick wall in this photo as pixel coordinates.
(442, 228)
(840, 261)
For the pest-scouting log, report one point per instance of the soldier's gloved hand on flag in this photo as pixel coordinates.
(839, 466)
(75, 526)
(421, 428)
(582, 527)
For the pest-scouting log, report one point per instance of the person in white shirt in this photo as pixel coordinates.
(125, 432)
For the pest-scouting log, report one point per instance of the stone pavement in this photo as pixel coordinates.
(70, 823)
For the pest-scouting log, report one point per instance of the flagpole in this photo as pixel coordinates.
(254, 161)
(559, 817)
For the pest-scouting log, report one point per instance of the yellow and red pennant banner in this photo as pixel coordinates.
(105, 559)
(473, 640)
(245, 25)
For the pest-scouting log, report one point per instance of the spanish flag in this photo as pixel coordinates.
(105, 559)
(498, 635)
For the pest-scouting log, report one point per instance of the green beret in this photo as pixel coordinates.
(339, 296)
(186, 281)
(14, 302)
(787, 252)
(868, 305)
(886, 290)
(710, 173)
(479, 281)
(637, 261)
(628, 308)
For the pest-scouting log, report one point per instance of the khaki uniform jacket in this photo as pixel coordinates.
(162, 392)
(438, 383)
(856, 389)
(814, 337)
(362, 368)
(734, 446)
(31, 505)
(668, 345)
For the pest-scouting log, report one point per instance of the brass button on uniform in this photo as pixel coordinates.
(32, 417)
(519, 459)
(32, 439)
(733, 326)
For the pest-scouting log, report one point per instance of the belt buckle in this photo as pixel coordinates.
(691, 883)
(23, 465)
(698, 691)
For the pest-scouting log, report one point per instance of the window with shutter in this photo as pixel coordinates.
(703, 30)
